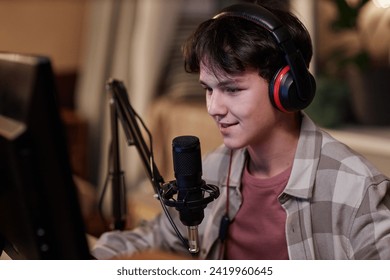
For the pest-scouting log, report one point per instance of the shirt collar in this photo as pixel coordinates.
(306, 160)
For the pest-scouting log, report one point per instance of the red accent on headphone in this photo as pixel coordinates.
(278, 81)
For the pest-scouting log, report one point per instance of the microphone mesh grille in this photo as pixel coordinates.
(186, 156)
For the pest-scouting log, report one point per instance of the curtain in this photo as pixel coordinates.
(127, 40)
(305, 11)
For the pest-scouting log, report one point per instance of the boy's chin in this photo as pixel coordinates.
(232, 145)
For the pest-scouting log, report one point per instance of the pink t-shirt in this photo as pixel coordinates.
(258, 230)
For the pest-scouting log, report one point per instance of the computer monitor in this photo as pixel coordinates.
(40, 216)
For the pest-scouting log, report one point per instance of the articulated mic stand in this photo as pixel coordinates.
(120, 109)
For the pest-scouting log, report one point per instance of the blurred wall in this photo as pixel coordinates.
(52, 28)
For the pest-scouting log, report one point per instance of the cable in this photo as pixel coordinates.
(104, 188)
(158, 192)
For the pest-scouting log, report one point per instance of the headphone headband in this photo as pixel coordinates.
(259, 16)
(303, 81)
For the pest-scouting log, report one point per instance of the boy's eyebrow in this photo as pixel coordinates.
(223, 83)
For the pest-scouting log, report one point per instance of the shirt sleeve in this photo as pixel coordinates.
(155, 234)
(370, 231)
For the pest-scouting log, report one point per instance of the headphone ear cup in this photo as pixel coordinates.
(279, 89)
(283, 92)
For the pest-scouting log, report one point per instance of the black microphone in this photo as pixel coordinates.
(187, 165)
(189, 194)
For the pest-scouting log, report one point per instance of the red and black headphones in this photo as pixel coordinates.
(293, 86)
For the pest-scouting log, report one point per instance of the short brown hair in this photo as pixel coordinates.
(233, 44)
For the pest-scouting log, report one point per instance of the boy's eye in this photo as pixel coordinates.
(208, 90)
(232, 90)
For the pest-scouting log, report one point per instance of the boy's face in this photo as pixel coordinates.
(240, 106)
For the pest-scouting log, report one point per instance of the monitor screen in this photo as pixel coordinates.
(40, 216)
